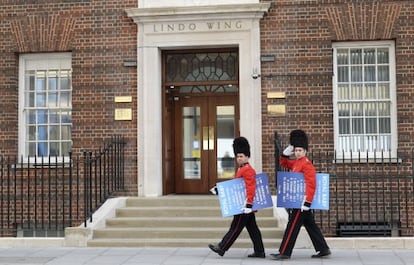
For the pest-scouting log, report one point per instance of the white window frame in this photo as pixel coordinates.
(377, 154)
(38, 61)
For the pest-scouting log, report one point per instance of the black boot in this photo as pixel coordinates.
(257, 255)
(216, 249)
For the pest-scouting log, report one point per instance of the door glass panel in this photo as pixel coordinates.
(210, 88)
(225, 135)
(191, 143)
(195, 67)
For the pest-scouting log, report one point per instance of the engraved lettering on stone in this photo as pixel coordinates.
(180, 27)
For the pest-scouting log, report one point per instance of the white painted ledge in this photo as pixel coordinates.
(79, 236)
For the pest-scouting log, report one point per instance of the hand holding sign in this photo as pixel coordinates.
(232, 195)
(291, 189)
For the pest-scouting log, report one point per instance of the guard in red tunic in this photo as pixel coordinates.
(303, 216)
(247, 219)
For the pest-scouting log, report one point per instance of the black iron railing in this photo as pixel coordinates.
(42, 196)
(368, 196)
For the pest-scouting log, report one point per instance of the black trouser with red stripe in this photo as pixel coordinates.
(297, 218)
(239, 222)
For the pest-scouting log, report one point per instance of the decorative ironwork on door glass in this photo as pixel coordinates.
(221, 69)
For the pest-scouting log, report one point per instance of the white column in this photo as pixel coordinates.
(149, 120)
(250, 94)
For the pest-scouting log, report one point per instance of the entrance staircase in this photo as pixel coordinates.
(177, 221)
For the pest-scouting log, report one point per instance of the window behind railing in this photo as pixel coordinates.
(45, 105)
(364, 98)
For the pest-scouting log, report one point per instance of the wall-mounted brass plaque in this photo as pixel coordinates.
(123, 99)
(279, 95)
(276, 110)
(124, 114)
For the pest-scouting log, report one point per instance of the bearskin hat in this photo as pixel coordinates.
(298, 138)
(241, 145)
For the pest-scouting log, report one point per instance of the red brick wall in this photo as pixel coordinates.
(300, 35)
(100, 36)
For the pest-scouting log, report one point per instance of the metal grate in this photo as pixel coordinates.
(352, 229)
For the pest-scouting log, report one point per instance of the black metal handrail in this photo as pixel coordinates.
(40, 197)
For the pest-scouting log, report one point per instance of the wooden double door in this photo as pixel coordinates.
(200, 118)
(204, 128)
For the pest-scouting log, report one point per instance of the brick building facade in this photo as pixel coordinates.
(301, 35)
(100, 38)
(302, 64)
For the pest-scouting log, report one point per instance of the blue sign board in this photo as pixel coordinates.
(291, 190)
(232, 195)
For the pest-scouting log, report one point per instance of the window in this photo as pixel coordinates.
(364, 99)
(45, 88)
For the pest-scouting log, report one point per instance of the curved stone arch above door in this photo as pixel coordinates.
(185, 28)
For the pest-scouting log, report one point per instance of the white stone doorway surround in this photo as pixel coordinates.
(186, 27)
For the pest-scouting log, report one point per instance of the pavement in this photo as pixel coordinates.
(195, 256)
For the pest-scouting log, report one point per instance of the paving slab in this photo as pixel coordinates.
(195, 256)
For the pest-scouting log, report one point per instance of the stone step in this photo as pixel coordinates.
(167, 211)
(181, 222)
(174, 211)
(177, 221)
(172, 232)
(177, 242)
(174, 200)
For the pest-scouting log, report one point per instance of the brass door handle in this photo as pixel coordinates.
(205, 137)
(211, 138)
(208, 137)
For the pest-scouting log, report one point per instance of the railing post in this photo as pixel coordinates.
(117, 161)
(70, 187)
(1, 194)
(113, 163)
(63, 193)
(78, 190)
(101, 186)
(87, 171)
(22, 188)
(95, 175)
(123, 144)
(277, 152)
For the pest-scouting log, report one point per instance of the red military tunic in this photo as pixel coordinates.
(305, 166)
(241, 221)
(298, 217)
(249, 175)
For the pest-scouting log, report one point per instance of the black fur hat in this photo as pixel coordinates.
(298, 138)
(241, 145)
